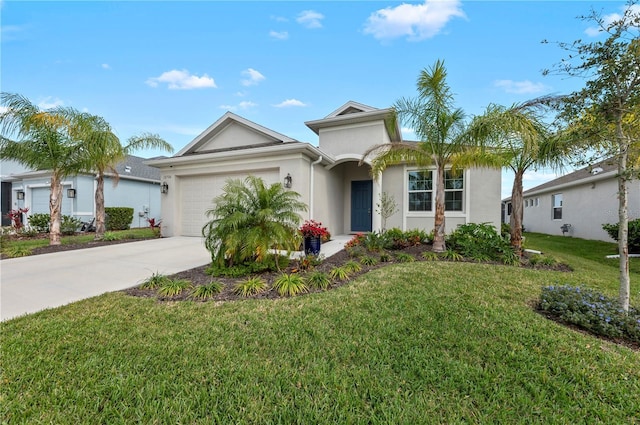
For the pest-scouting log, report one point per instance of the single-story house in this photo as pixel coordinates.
(339, 191)
(138, 188)
(577, 204)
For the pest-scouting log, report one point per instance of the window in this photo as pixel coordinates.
(537, 202)
(556, 201)
(453, 191)
(420, 190)
(526, 203)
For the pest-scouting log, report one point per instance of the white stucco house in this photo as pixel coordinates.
(138, 188)
(338, 191)
(577, 204)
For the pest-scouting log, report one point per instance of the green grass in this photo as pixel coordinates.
(81, 238)
(412, 343)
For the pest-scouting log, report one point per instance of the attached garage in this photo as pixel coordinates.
(40, 201)
(197, 194)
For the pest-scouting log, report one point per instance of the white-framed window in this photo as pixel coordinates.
(526, 203)
(556, 202)
(537, 202)
(420, 190)
(453, 190)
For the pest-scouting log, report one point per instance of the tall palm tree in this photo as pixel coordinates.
(101, 150)
(443, 140)
(249, 218)
(42, 142)
(521, 141)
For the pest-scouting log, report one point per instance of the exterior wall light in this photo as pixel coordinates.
(20, 195)
(71, 193)
(288, 181)
(164, 188)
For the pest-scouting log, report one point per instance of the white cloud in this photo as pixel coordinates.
(611, 18)
(290, 103)
(182, 80)
(279, 18)
(408, 133)
(242, 105)
(281, 35)
(310, 19)
(253, 77)
(105, 66)
(49, 102)
(414, 21)
(3, 109)
(520, 87)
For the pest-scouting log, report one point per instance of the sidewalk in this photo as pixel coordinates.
(31, 284)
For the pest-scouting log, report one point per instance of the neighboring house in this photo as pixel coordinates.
(138, 187)
(339, 192)
(577, 204)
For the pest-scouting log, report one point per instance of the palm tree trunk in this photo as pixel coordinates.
(516, 213)
(99, 198)
(55, 209)
(439, 220)
(623, 218)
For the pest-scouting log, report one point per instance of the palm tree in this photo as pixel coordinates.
(101, 151)
(443, 140)
(250, 218)
(41, 142)
(520, 140)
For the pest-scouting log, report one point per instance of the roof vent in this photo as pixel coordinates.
(596, 170)
(127, 169)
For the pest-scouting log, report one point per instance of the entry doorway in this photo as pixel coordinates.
(361, 205)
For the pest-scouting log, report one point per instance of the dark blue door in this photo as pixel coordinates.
(361, 200)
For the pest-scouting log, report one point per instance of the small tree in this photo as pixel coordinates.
(386, 208)
(249, 219)
(603, 116)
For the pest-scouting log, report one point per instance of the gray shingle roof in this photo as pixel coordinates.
(134, 167)
(576, 176)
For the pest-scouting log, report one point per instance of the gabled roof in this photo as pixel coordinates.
(134, 167)
(222, 123)
(599, 171)
(354, 113)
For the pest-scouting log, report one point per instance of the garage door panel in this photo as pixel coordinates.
(197, 194)
(40, 202)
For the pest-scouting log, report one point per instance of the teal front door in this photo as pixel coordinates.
(361, 205)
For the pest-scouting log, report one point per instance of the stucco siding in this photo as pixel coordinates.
(483, 193)
(140, 196)
(392, 185)
(352, 139)
(585, 207)
(328, 205)
(233, 136)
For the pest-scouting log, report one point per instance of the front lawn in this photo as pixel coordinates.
(424, 342)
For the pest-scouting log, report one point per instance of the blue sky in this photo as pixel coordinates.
(173, 68)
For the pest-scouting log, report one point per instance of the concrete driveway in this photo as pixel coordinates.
(30, 284)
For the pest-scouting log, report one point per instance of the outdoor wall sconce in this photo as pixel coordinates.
(71, 193)
(164, 188)
(20, 195)
(288, 181)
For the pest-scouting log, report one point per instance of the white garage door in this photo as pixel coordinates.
(40, 201)
(197, 193)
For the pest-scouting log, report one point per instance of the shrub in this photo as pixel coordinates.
(18, 251)
(209, 290)
(249, 218)
(451, 255)
(430, 256)
(352, 267)
(339, 273)
(633, 236)
(481, 242)
(110, 236)
(385, 257)
(403, 257)
(592, 311)
(310, 261)
(118, 218)
(248, 268)
(173, 287)
(319, 280)
(290, 284)
(69, 225)
(155, 281)
(355, 241)
(376, 241)
(250, 287)
(368, 261)
(40, 222)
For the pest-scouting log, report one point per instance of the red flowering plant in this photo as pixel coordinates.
(314, 229)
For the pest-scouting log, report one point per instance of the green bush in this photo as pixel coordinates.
(290, 284)
(249, 287)
(69, 225)
(210, 290)
(40, 222)
(633, 240)
(319, 280)
(481, 242)
(173, 287)
(118, 218)
(592, 311)
(254, 267)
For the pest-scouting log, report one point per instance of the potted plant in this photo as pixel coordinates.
(313, 233)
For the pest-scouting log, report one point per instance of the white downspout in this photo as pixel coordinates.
(311, 193)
